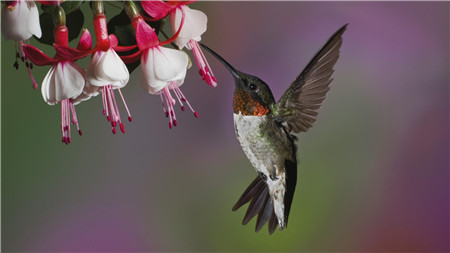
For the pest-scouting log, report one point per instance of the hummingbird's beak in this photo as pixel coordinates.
(225, 63)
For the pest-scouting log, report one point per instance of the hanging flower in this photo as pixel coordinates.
(106, 72)
(20, 21)
(191, 23)
(65, 81)
(163, 69)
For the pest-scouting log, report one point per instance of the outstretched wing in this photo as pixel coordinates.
(299, 104)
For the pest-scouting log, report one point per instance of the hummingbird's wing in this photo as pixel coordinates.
(299, 104)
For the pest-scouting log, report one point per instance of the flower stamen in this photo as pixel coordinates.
(111, 110)
(125, 104)
(29, 66)
(68, 109)
(168, 103)
(178, 92)
(202, 64)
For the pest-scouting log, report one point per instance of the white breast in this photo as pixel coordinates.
(252, 142)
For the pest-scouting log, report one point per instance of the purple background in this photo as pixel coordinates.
(373, 171)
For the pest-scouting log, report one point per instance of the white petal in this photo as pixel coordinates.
(48, 87)
(170, 64)
(82, 97)
(15, 22)
(114, 69)
(91, 90)
(106, 68)
(34, 26)
(69, 80)
(148, 79)
(195, 24)
(90, 74)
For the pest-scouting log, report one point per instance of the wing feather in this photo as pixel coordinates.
(299, 104)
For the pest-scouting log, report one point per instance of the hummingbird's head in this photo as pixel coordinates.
(252, 96)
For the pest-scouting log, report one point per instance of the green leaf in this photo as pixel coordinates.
(74, 23)
(47, 8)
(71, 6)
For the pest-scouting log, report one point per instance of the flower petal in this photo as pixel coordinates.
(106, 68)
(156, 9)
(15, 22)
(195, 24)
(69, 80)
(85, 42)
(148, 79)
(91, 90)
(34, 26)
(48, 87)
(37, 56)
(170, 64)
(68, 53)
(113, 40)
(145, 35)
(82, 97)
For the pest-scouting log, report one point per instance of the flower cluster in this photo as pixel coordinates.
(163, 69)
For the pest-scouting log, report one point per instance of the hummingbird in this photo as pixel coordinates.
(265, 129)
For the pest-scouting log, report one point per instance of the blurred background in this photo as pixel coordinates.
(373, 171)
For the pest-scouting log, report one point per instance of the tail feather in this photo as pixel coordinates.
(260, 203)
(256, 204)
(264, 213)
(273, 223)
(249, 193)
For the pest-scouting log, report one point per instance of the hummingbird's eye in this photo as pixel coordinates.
(252, 86)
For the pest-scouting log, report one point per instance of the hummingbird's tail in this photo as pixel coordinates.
(260, 203)
(225, 63)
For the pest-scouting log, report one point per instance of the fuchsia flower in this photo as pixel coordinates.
(65, 81)
(20, 21)
(163, 69)
(107, 72)
(191, 23)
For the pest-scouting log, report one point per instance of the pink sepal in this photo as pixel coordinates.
(85, 42)
(127, 59)
(36, 56)
(124, 48)
(157, 9)
(175, 36)
(49, 2)
(65, 52)
(145, 35)
(113, 40)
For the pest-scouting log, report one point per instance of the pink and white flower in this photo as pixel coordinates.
(163, 69)
(65, 80)
(191, 24)
(106, 72)
(20, 21)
